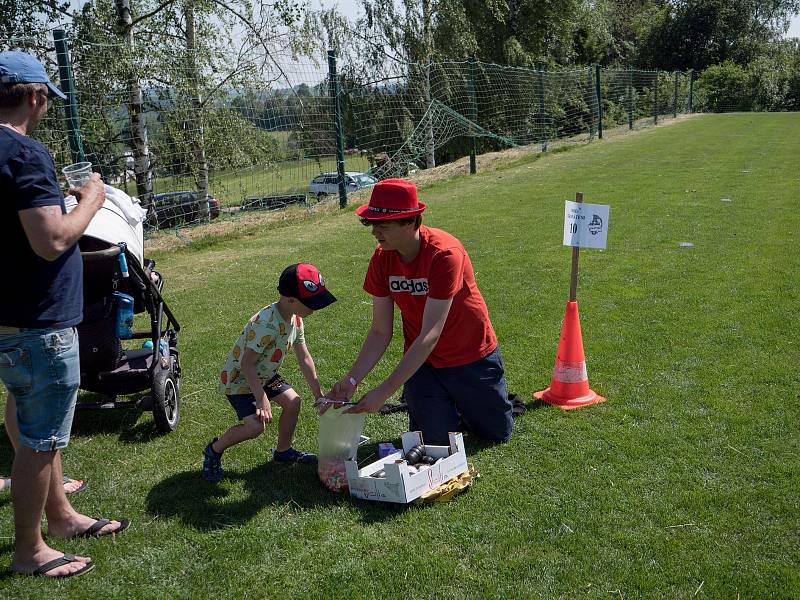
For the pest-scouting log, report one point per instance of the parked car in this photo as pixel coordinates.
(327, 184)
(272, 202)
(181, 208)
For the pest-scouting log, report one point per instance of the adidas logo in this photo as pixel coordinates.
(416, 287)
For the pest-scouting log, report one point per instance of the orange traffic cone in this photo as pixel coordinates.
(569, 387)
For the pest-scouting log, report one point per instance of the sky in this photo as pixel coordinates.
(794, 30)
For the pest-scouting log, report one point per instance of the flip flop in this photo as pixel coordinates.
(81, 487)
(62, 560)
(92, 530)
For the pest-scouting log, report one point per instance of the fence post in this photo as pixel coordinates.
(589, 78)
(675, 96)
(68, 87)
(630, 99)
(337, 122)
(599, 102)
(655, 101)
(542, 110)
(473, 116)
(691, 88)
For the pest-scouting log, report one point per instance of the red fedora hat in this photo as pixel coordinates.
(392, 199)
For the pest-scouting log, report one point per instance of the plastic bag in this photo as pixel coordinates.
(339, 434)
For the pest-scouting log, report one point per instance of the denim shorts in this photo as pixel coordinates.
(245, 404)
(41, 367)
(472, 397)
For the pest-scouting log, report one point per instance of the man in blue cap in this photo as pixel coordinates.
(39, 362)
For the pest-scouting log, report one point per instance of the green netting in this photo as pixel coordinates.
(252, 129)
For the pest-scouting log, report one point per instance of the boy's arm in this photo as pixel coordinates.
(307, 368)
(250, 372)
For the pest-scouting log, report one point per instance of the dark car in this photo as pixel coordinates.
(272, 202)
(181, 208)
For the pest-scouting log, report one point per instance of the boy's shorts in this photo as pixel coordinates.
(245, 404)
(41, 367)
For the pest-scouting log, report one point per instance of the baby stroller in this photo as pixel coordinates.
(117, 279)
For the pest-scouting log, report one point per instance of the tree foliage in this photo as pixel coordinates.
(693, 34)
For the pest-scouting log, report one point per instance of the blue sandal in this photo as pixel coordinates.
(212, 464)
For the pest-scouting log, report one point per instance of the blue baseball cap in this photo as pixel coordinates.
(21, 67)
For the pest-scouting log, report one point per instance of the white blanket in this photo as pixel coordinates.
(119, 220)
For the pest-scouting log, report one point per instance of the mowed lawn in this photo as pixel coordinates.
(683, 484)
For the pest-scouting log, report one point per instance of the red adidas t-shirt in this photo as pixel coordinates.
(442, 269)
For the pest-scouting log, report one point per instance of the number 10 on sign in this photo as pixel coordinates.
(585, 226)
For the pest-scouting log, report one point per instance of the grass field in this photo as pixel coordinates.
(683, 484)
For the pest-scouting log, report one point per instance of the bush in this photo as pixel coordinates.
(725, 87)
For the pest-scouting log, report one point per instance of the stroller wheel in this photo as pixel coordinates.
(166, 401)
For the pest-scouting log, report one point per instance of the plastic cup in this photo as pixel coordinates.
(77, 174)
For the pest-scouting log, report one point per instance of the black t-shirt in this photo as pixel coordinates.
(38, 293)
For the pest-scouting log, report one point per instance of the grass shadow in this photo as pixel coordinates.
(89, 422)
(6, 454)
(125, 421)
(206, 506)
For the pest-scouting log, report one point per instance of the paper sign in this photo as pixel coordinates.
(585, 225)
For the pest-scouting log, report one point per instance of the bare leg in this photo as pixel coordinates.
(33, 475)
(62, 520)
(289, 402)
(13, 436)
(249, 428)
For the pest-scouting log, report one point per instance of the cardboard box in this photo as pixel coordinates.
(400, 485)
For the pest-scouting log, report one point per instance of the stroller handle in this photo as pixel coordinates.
(101, 254)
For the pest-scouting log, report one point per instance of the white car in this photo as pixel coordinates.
(327, 184)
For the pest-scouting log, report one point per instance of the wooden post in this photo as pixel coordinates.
(573, 278)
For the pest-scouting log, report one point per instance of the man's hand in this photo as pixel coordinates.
(371, 402)
(322, 404)
(93, 191)
(263, 409)
(343, 389)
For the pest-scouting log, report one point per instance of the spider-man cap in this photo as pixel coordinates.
(304, 282)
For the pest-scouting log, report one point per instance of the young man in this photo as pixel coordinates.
(451, 370)
(38, 340)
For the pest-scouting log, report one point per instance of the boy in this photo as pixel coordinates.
(250, 377)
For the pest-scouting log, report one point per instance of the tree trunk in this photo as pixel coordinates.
(141, 151)
(196, 118)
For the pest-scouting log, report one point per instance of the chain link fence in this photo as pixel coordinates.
(200, 136)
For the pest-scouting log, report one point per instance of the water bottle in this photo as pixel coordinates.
(164, 347)
(124, 315)
(123, 262)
